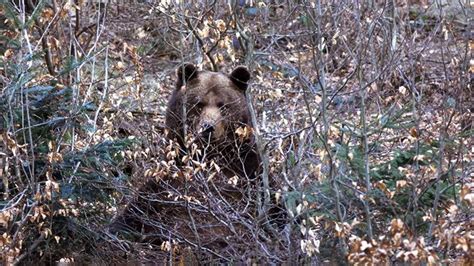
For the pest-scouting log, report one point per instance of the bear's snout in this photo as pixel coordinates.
(207, 129)
(211, 123)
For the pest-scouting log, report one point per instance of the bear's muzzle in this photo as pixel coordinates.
(211, 124)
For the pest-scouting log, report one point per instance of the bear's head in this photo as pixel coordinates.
(209, 105)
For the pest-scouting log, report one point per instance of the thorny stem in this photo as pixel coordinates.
(258, 137)
(364, 136)
(24, 97)
(442, 137)
(319, 65)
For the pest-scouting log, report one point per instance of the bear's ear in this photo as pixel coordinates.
(240, 75)
(185, 73)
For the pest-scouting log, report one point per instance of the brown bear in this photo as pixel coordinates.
(209, 107)
(210, 199)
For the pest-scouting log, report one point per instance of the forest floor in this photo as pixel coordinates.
(365, 116)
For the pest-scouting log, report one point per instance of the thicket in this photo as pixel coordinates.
(364, 113)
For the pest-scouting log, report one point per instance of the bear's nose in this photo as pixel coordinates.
(207, 128)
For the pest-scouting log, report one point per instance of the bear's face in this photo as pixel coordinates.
(215, 103)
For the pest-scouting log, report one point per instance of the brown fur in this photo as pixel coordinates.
(217, 100)
(214, 100)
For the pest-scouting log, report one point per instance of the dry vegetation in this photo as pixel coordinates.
(364, 114)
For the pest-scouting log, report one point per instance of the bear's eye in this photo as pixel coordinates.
(221, 105)
(200, 105)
